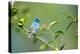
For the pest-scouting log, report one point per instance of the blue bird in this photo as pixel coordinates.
(34, 27)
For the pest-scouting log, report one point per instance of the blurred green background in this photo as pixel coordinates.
(47, 14)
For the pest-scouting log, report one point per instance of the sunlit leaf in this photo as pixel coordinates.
(43, 46)
(52, 23)
(21, 22)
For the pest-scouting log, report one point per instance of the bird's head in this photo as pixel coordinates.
(36, 20)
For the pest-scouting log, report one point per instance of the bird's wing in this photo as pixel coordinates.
(35, 25)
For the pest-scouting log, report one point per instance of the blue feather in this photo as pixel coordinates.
(34, 27)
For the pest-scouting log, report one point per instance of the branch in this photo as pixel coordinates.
(35, 36)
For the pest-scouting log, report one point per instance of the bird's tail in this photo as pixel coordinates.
(30, 35)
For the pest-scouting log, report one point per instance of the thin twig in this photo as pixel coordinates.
(53, 39)
(69, 26)
(26, 29)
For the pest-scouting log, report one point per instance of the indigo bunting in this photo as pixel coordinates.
(34, 27)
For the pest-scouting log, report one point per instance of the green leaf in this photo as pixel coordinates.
(62, 47)
(58, 33)
(21, 22)
(73, 18)
(43, 46)
(52, 23)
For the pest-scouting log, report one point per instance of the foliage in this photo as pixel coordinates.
(49, 38)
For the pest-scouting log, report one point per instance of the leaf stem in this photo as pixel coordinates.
(69, 26)
(53, 39)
